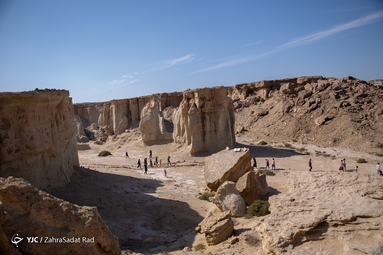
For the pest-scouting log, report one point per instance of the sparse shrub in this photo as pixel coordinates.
(258, 208)
(295, 140)
(262, 143)
(302, 150)
(266, 172)
(104, 153)
(361, 160)
(287, 145)
(199, 247)
(206, 196)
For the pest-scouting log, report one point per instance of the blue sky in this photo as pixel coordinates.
(104, 50)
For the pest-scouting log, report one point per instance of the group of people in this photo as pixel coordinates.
(151, 163)
(310, 165)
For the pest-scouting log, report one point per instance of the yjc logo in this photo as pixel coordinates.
(16, 240)
(32, 239)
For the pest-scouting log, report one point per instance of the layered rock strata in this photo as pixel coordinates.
(341, 208)
(217, 228)
(37, 137)
(205, 120)
(60, 227)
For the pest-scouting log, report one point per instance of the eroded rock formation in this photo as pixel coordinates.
(205, 120)
(117, 115)
(227, 198)
(29, 212)
(308, 109)
(152, 124)
(252, 186)
(37, 137)
(217, 228)
(343, 207)
(226, 165)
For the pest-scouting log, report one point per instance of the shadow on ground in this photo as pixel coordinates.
(129, 206)
(267, 151)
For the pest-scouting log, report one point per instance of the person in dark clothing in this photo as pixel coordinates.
(255, 163)
(139, 163)
(145, 166)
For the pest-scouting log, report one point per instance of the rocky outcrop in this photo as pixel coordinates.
(226, 165)
(252, 186)
(118, 115)
(205, 120)
(38, 137)
(308, 109)
(152, 124)
(227, 198)
(217, 228)
(60, 227)
(342, 207)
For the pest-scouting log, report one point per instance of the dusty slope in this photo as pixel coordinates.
(344, 113)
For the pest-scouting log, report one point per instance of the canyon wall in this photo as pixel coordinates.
(118, 115)
(152, 124)
(37, 137)
(205, 120)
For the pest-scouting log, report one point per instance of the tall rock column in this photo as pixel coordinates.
(205, 120)
(152, 124)
(38, 137)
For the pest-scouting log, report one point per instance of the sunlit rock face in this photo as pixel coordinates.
(205, 120)
(38, 137)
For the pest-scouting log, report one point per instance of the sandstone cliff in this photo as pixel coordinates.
(37, 137)
(205, 120)
(152, 124)
(118, 115)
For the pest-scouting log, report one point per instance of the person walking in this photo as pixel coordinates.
(145, 166)
(341, 167)
(267, 164)
(378, 169)
(310, 165)
(344, 165)
(273, 164)
(169, 161)
(156, 161)
(126, 155)
(150, 154)
(255, 163)
(139, 163)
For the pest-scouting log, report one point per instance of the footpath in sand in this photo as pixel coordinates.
(154, 213)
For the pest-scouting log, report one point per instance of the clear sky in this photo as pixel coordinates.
(111, 49)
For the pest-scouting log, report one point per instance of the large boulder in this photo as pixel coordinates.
(152, 125)
(227, 198)
(217, 228)
(226, 165)
(337, 208)
(252, 186)
(60, 227)
(205, 120)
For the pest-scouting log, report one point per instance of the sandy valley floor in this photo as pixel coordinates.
(154, 213)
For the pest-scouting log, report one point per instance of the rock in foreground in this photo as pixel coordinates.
(61, 227)
(226, 165)
(345, 208)
(217, 228)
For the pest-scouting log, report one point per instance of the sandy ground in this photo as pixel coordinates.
(153, 213)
